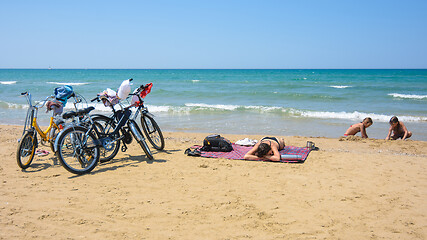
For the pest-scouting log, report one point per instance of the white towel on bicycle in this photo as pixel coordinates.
(111, 97)
(124, 89)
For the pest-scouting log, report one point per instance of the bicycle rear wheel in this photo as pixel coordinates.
(106, 125)
(137, 134)
(77, 150)
(26, 150)
(152, 132)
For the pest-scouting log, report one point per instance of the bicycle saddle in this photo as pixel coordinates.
(85, 110)
(80, 112)
(69, 114)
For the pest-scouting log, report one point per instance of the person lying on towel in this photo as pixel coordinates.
(266, 149)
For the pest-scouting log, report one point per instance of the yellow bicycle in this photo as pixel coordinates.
(28, 142)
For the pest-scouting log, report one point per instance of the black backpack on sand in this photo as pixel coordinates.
(216, 143)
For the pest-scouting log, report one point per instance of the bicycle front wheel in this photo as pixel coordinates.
(77, 150)
(152, 132)
(26, 150)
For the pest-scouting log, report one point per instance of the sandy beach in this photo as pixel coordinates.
(349, 189)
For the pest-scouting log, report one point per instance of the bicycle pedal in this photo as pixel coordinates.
(124, 148)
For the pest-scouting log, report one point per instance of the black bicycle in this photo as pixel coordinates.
(106, 125)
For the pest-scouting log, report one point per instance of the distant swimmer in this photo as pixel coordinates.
(397, 130)
(359, 127)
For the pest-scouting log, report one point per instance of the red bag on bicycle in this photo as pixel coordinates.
(147, 90)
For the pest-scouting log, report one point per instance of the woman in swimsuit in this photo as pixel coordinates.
(267, 149)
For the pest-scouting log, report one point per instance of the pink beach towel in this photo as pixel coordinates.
(239, 152)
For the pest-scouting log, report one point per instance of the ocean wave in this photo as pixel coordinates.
(8, 105)
(409, 96)
(195, 80)
(200, 108)
(157, 109)
(290, 112)
(339, 86)
(355, 116)
(72, 84)
(209, 106)
(7, 82)
(225, 107)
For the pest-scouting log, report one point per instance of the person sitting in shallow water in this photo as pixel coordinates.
(398, 129)
(359, 127)
(267, 149)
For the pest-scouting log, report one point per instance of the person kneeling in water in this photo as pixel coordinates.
(398, 129)
(267, 149)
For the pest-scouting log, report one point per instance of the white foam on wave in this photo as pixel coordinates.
(195, 80)
(229, 107)
(7, 82)
(153, 108)
(354, 116)
(339, 86)
(263, 108)
(291, 112)
(64, 83)
(215, 106)
(409, 96)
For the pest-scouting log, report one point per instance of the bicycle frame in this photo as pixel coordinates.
(31, 123)
(45, 134)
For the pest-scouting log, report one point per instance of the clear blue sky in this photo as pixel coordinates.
(213, 34)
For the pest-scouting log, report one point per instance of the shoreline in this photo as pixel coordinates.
(350, 188)
(356, 137)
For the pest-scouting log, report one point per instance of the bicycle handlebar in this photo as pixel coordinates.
(44, 101)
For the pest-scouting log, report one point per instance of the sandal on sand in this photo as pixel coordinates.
(41, 152)
(194, 153)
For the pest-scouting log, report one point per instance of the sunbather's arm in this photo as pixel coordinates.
(275, 157)
(250, 157)
(251, 154)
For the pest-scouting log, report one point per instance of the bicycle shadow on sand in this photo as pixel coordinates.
(117, 163)
(170, 151)
(41, 164)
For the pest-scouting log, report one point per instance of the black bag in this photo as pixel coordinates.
(216, 143)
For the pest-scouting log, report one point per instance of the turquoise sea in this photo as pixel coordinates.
(318, 103)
